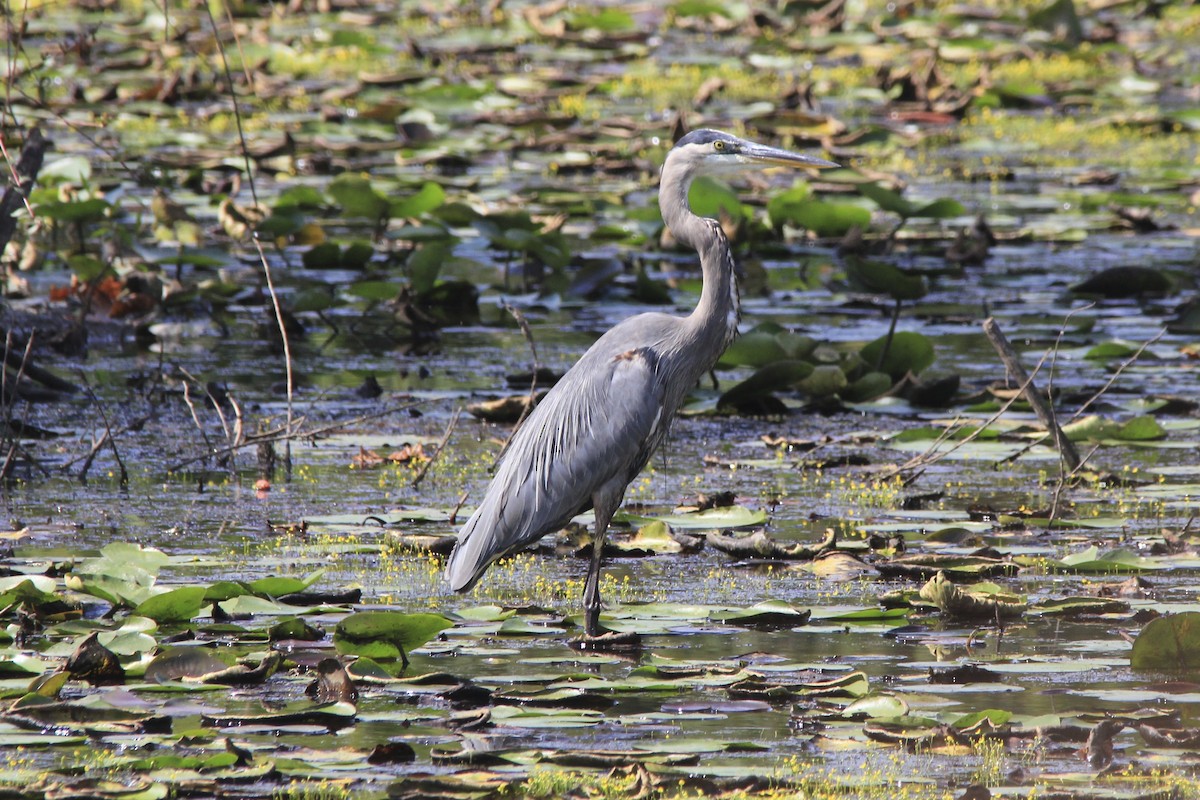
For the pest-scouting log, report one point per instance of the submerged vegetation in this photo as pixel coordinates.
(278, 279)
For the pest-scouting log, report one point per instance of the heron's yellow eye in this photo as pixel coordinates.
(718, 145)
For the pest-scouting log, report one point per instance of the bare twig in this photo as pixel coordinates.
(931, 457)
(1044, 411)
(441, 446)
(8, 397)
(6, 467)
(1062, 330)
(213, 401)
(97, 446)
(187, 398)
(287, 355)
(1117, 373)
(286, 433)
(454, 511)
(108, 434)
(287, 349)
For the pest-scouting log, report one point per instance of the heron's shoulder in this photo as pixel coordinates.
(643, 330)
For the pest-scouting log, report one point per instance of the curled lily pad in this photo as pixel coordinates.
(970, 603)
(652, 539)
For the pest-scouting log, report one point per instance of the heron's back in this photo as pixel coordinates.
(593, 432)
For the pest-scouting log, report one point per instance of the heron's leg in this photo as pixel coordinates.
(591, 592)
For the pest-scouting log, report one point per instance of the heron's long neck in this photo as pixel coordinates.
(713, 323)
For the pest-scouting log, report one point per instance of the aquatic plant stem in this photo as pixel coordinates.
(262, 256)
(108, 434)
(1045, 413)
(891, 334)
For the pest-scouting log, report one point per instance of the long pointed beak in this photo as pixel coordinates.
(762, 154)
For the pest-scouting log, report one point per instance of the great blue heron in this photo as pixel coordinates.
(595, 430)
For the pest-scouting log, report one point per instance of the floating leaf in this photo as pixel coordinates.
(177, 605)
(280, 586)
(74, 211)
(357, 197)
(888, 200)
(971, 602)
(608, 20)
(709, 197)
(774, 377)
(768, 614)
(720, 517)
(825, 380)
(653, 538)
(422, 201)
(425, 264)
(1106, 350)
(1114, 562)
(825, 219)
(1079, 606)
(386, 635)
(700, 8)
(1125, 281)
(883, 278)
(879, 706)
(71, 169)
(1170, 643)
(375, 291)
(331, 715)
(183, 662)
(908, 351)
(1140, 429)
(766, 344)
(868, 387)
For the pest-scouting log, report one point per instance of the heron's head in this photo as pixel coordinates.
(709, 152)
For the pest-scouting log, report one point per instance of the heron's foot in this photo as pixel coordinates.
(607, 641)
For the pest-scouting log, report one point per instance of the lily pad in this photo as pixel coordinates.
(714, 518)
(386, 635)
(1170, 643)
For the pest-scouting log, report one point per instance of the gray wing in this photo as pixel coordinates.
(598, 425)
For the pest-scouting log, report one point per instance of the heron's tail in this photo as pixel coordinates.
(470, 557)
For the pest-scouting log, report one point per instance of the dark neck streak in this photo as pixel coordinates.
(710, 328)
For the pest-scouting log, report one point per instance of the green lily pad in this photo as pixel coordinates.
(386, 635)
(774, 377)
(720, 517)
(1170, 643)
(908, 351)
(880, 277)
(768, 614)
(176, 605)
